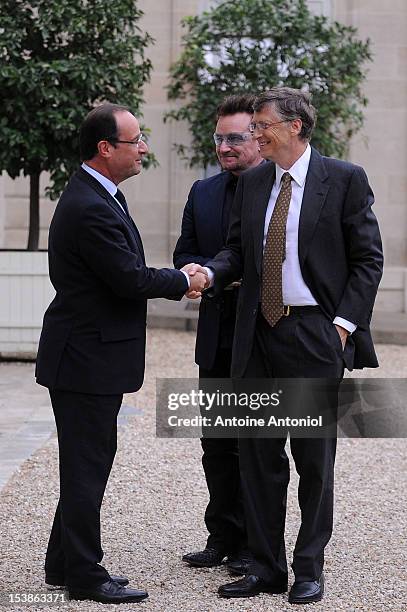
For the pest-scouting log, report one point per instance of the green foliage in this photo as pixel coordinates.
(58, 58)
(251, 45)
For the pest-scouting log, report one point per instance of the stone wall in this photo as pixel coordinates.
(381, 147)
(157, 196)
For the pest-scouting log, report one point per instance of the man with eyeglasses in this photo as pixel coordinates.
(204, 230)
(92, 345)
(307, 246)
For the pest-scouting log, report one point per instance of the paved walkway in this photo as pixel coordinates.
(26, 420)
(26, 417)
(153, 511)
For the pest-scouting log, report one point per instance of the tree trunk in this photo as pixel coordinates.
(34, 222)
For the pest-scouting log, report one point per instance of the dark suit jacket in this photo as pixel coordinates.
(339, 247)
(93, 336)
(200, 240)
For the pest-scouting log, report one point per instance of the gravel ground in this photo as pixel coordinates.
(154, 504)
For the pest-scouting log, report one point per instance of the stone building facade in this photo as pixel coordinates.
(157, 196)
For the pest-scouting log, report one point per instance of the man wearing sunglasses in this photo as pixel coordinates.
(92, 345)
(204, 230)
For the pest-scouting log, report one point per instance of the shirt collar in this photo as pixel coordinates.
(298, 170)
(103, 180)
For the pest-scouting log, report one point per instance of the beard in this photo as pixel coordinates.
(231, 162)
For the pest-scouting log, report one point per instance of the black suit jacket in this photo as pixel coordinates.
(93, 335)
(339, 247)
(200, 240)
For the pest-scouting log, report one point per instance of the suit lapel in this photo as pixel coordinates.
(111, 200)
(88, 178)
(261, 195)
(138, 239)
(212, 208)
(315, 192)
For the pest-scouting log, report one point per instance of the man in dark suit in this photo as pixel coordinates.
(92, 344)
(205, 224)
(307, 246)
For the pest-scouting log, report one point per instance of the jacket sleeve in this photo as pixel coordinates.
(364, 251)
(104, 248)
(228, 263)
(187, 247)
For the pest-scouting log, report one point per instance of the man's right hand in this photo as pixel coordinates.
(198, 279)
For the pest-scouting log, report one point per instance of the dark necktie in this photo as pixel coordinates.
(120, 198)
(272, 305)
(230, 191)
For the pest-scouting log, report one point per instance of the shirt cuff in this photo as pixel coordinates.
(350, 327)
(187, 277)
(211, 275)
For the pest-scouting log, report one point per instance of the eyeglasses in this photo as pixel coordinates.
(140, 138)
(234, 139)
(263, 125)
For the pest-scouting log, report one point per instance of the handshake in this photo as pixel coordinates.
(198, 280)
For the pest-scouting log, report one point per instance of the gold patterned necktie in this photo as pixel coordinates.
(272, 305)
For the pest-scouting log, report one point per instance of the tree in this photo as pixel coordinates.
(58, 58)
(252, 45)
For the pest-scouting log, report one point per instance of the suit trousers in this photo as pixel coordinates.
(305, 344)
(224, 515)
(87, 438)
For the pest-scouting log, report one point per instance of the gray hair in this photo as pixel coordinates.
(290, 104)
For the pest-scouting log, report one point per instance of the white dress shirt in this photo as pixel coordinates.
(295, 291)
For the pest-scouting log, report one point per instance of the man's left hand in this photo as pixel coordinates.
(343, 334)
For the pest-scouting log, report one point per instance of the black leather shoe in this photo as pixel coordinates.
(59, 581)
(210, 557)
(307, 592)
(108, 592)
(249, 586)
(239, 565)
